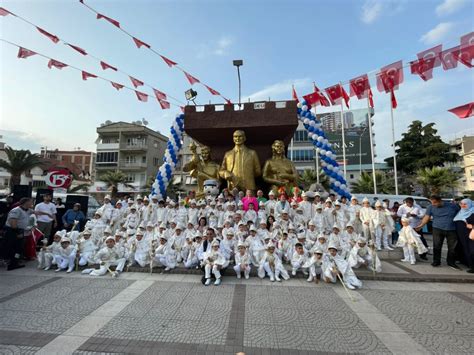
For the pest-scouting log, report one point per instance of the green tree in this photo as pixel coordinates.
(421, 147)
(112, 179)
(309, 177)
(19, 162)
(365, 184)
(437, 180)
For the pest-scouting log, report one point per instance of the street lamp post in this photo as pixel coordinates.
(360, 151)
(238, 63)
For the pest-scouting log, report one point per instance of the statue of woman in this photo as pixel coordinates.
(279, 171)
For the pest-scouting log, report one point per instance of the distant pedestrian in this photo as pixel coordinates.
(46, 216)
(464, 222)
(443, 228)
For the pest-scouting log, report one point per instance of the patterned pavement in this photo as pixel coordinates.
(166, 315)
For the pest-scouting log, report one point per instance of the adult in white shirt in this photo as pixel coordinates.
(46, 216)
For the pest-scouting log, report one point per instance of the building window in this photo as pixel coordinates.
(107, 157)
(144, 159)
(156, 161)
(302, 154)
(130, 178)
(135, 141)
(301, 136)
(351, 176)
(130, 159)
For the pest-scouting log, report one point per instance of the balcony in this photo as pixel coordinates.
(134, 147)
(108, 146)
(132, 165)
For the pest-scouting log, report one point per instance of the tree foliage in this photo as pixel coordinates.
(421, 147)
(112, 179)
(19, 162)
(309, 177)
(437, 180)
(365, 184)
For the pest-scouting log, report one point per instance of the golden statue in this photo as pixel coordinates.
(240, 165)
(202, 168)
(279, 171)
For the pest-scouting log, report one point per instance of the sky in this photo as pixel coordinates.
(282, 43)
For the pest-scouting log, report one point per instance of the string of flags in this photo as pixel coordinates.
(24, 53)
(390, 77)
(463, 111)
(139, 43)
(162, 97)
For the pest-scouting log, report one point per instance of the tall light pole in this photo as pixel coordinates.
(238, 63)
(360, 150)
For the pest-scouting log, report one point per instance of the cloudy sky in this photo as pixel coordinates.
(282, 43)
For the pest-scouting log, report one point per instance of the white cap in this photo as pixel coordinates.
(241, 244)
(110, 238)
(333, 245)
(378, 203)
(271, 193)
(65, 240)
(365, 199)
(214, 243)
(149, 224)
(107, 197)
(270, 245)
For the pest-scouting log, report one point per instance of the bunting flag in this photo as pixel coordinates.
(168, 61)
(56, 63)
(212, 91)
(5, 12)
(336, 93)
(111, 20)
(228, 102)
(25, 53)
(192, 80)
(86, 75)
(78, 49)
(466, 50)
(164, 104)
(323, 100)
(360, 87)
(141, 96)
(464, 111)
(52, 37)
(140, 43)
(311, 99)
(117, 85)
(294, 96)
(448, 58)
(427, 61)
(390, 77)
(159, 95)
(136, 82)
(105, 66)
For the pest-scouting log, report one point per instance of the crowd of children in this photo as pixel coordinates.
(276, 238)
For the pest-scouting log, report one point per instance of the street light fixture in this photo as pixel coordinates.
(238, 63)
(191, 95)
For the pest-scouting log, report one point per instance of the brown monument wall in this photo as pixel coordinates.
(262, 122)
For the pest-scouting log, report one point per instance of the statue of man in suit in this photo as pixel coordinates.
(240, 165)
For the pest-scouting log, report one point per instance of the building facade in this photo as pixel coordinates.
(464, 147)
(133, 149)
(80, 162)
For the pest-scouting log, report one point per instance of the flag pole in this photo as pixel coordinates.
(395, 174)
(343, 133)
(371, 145)
(316, 151)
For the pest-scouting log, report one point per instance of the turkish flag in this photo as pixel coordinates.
(390, 77)
(393, 99)
(141, 96)
(336, 93)
(164, 104)
(117, 85)
(5, 12)
(463, 111)
(449, 57)
(294, 95)
(52, 37)
(228, 102)
(212, 91)
(159, 94)
(25, 53)
(79, 49)
(427, 60)
(466, 50)
(56, 63)
(360, 86)
(168, 61)
(111, 20)
(104, 66)
(86, 75)
(136, 82)
(311, 99)
(371, 99)
(323, 100)
(192, 80)
(140, 43)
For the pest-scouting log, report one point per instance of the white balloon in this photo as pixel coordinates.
(312, 123)
(336, 168)
(299, 105)
(314, 137)
(337, 183)
(330, 167)
(322, 152)
(324, 164)
(306, 121)
(328, 153)
(331, 180)
(343, 186)
(320, 139)
(304, 108)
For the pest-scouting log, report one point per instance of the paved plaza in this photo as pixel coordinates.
(48, 313)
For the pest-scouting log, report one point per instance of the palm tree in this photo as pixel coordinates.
(309, 177)
(112, 179)
(437, 180)
(19, 162)
(366, 184)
